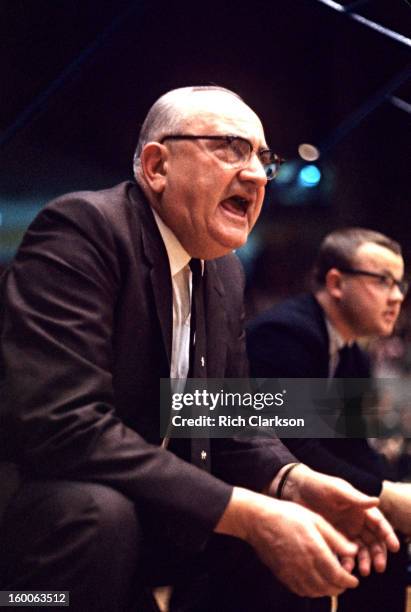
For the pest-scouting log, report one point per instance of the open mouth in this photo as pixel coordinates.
(236, 205)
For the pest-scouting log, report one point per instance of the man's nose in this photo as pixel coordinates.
(254, 171)
(396, 295)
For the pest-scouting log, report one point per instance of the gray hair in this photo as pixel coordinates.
(167, 115)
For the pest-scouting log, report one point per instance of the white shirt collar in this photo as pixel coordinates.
(336, 341)
(177, 255)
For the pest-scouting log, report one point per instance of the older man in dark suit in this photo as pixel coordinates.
(359, 289)
(95, 310)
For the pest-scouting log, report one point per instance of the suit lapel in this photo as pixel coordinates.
(160, 278)
(216, 322)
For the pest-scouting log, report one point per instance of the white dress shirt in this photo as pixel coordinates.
(181, 280)
(336, 342)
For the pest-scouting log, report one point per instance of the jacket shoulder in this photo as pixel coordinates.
(289, 340)
(301, 315)
(109, 203)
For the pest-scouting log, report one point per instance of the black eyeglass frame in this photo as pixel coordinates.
(401, 284)
(275, 159)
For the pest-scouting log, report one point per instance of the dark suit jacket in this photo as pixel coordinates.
(291, 341)
(86, 327)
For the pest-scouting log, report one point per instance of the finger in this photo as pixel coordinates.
(336, 540)
(336, 578)
(324, 579)
(364, 560)
(347, 496)
(368, 536)
(328, 564)
(363, 501)
(348, 563)
(378, 524)
(317, 577)
(379, 557)
(308, 581)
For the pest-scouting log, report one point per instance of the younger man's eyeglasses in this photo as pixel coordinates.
(386, 281)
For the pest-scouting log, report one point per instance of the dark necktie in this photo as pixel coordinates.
(200, 447)
(344, 365)
(351, 421)
(198, 341)
(196, 450)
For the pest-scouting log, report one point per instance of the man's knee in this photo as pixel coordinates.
(113, 514)
(61, 503)
(85, 524)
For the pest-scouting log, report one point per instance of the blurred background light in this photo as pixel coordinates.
(309, 176)
(308, 152)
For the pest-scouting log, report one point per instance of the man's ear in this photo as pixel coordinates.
(333, 283)
(153, 161)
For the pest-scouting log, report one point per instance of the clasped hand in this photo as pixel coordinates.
(351, 512)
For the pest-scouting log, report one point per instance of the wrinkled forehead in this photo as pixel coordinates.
(217, 112)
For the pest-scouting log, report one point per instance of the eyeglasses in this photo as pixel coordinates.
(235, 151)
(386, 281)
